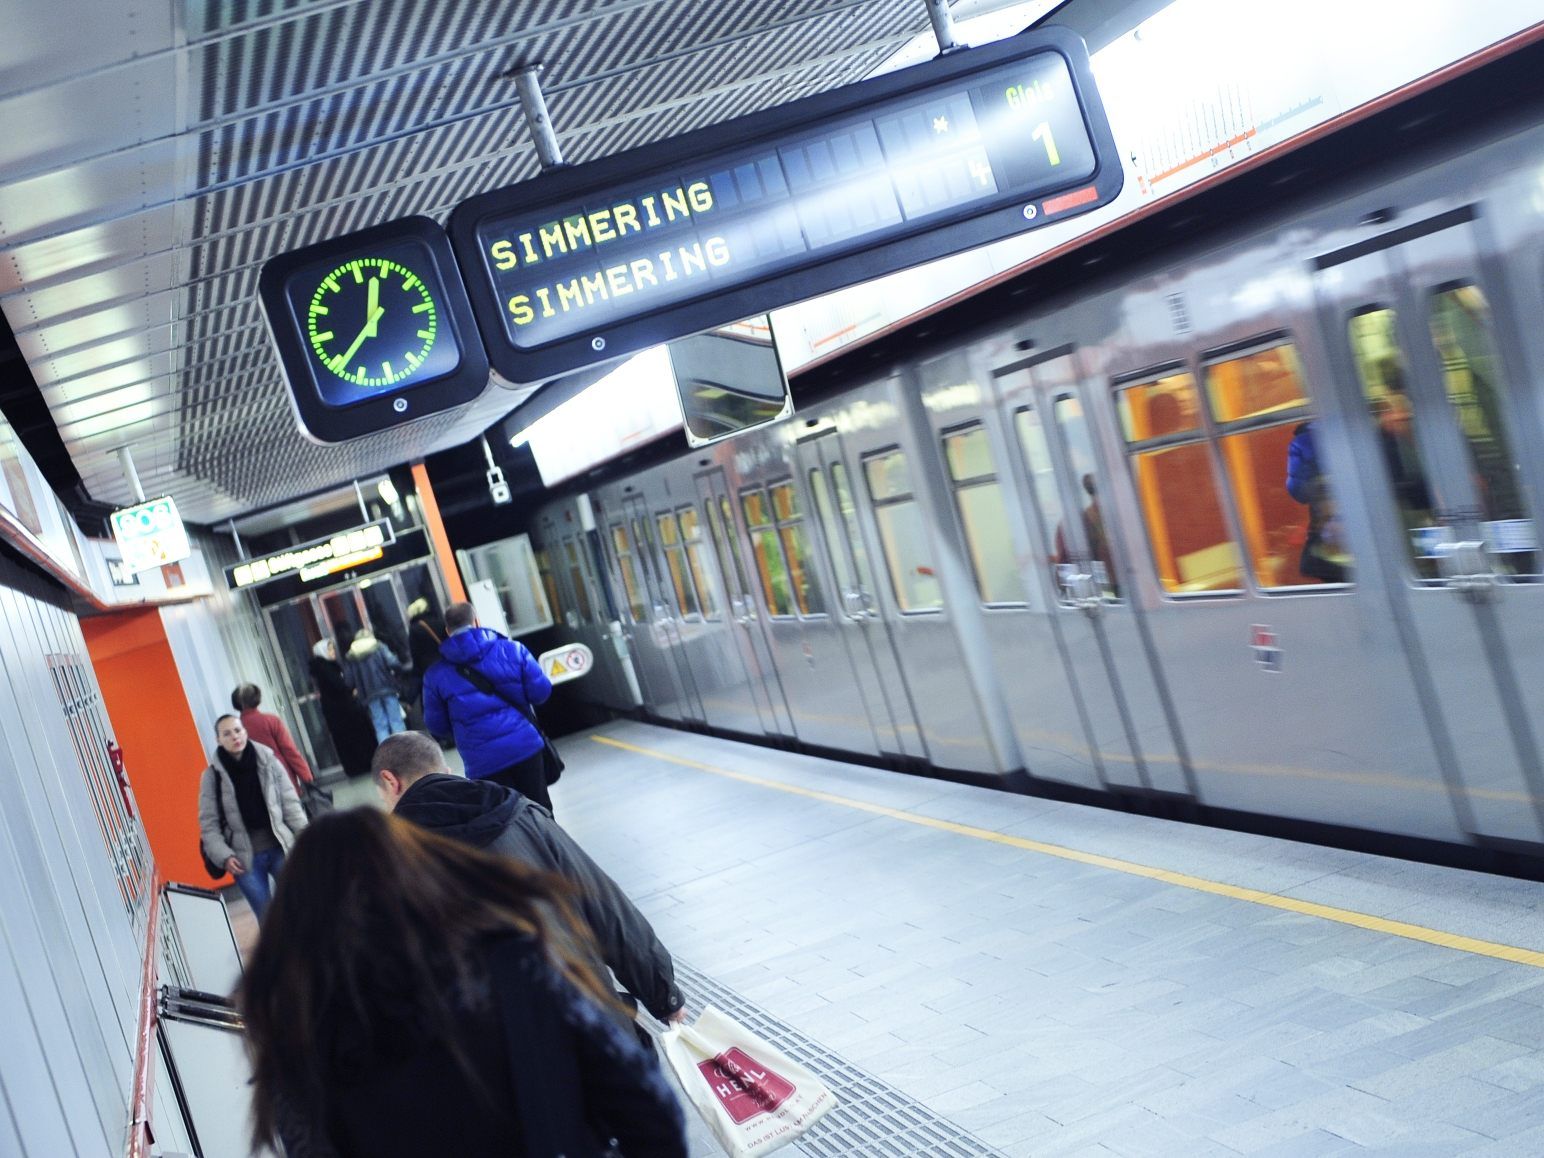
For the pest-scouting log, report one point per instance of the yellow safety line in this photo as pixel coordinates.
(1182, 880)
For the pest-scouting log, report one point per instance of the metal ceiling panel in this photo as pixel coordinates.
(168, 159)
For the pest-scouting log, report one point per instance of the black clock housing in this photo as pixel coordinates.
(373, 329)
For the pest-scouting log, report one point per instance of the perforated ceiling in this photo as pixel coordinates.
(154, 158)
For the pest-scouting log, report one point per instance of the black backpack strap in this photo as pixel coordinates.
(483, 684)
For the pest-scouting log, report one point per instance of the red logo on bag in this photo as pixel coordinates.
(743, 1085)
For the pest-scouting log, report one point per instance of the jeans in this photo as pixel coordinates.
(386, 715)
(256, 883)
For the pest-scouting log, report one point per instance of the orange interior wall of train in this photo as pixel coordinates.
(163, 750)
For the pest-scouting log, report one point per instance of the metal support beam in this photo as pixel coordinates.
(943, 25)
(528, 85)
(126, 457)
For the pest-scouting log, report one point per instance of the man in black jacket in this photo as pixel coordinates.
(410, 773)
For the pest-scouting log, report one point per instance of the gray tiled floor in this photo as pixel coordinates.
(1058, 1008)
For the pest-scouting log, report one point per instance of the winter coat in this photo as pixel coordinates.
(497, 819)
(490, 734)
(371, 666)
(285, 816)
(267, 729)
(348, 720)
(564, 1078)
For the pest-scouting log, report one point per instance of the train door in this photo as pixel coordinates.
(743, 628)
(650, 637)
(672, 605)
(1438, 430)
(1131, 741)
(863, 630)
(700, 644)
(813, 666)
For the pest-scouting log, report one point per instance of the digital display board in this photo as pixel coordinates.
(587, 263)
(316, 559)
(373, 329)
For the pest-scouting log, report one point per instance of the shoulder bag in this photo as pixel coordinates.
(215, 871)
(552, 763)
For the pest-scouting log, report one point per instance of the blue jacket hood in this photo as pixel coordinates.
(469, 646)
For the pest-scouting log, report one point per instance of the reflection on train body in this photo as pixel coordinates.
(1244, 524)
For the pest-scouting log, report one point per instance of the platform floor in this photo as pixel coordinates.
(984, 973)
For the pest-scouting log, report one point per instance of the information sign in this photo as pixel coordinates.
(585, 264)
(316, 559)
(150, 535)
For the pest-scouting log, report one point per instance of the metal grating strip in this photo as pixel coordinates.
(871, 1120)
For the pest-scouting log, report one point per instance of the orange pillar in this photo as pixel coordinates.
(437, 536)
(163, 749)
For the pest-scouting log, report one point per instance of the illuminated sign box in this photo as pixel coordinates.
(316, 559)
(150, 535)
(588, 263)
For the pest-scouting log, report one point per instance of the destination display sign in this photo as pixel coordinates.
(588, 263)
(316, 559)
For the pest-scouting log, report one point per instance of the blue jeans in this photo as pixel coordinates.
(256, 884)
(386, 715)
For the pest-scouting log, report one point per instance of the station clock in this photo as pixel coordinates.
(373, 329)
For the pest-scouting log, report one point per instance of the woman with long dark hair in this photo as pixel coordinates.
(411, 995)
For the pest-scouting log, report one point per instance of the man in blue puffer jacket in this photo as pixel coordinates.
(496, 738)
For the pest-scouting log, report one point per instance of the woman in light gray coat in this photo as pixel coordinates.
(252, 822)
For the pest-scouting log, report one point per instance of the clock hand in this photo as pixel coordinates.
(368, 332)
(373, 309)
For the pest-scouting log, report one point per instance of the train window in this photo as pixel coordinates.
(675, 560)
(721, 529)
(631, 584)
(696, 558)
(770, 568)
(576, 579)
(902, 535)
(1266, 433)
(984, 515)
(796, 547)
(1380, 364)
(1042, 480)
(849, 512)
(1460, 330)
(549, 583)
(1192, 547)
(1078, 444)
(827, 516)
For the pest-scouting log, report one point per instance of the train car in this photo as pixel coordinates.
(1224, 508)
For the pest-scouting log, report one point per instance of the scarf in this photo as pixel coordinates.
(246, 763)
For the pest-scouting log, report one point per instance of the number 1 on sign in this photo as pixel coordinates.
(1042, 134)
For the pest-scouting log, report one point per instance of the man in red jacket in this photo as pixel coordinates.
(266, 728)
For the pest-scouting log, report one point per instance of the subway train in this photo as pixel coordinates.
(1225, 510)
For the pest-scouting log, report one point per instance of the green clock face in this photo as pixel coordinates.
(373, 322)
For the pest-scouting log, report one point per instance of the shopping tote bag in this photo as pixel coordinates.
(753, 1096)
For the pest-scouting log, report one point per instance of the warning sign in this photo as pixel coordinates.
(568, 662)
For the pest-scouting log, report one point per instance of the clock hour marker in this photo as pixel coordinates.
(422, 306)
(412, 359)
(320, 309)
(359, 276)
(426, 334)
(386, 370)
(327, 337)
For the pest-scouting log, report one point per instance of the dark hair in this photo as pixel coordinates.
(408, 755)
(246, 697)
(372, 949)
(459, 615)
(222, 719)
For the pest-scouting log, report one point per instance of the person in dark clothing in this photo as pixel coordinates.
(425, 633)
(410, 773)
(252, 822)
(1322, 557)
(348, 720)
(493, 729)
(414, 996)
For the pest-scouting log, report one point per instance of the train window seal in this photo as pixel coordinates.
(959, 485)
(895, 499)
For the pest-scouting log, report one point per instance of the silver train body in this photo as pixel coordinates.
(1059, 543)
